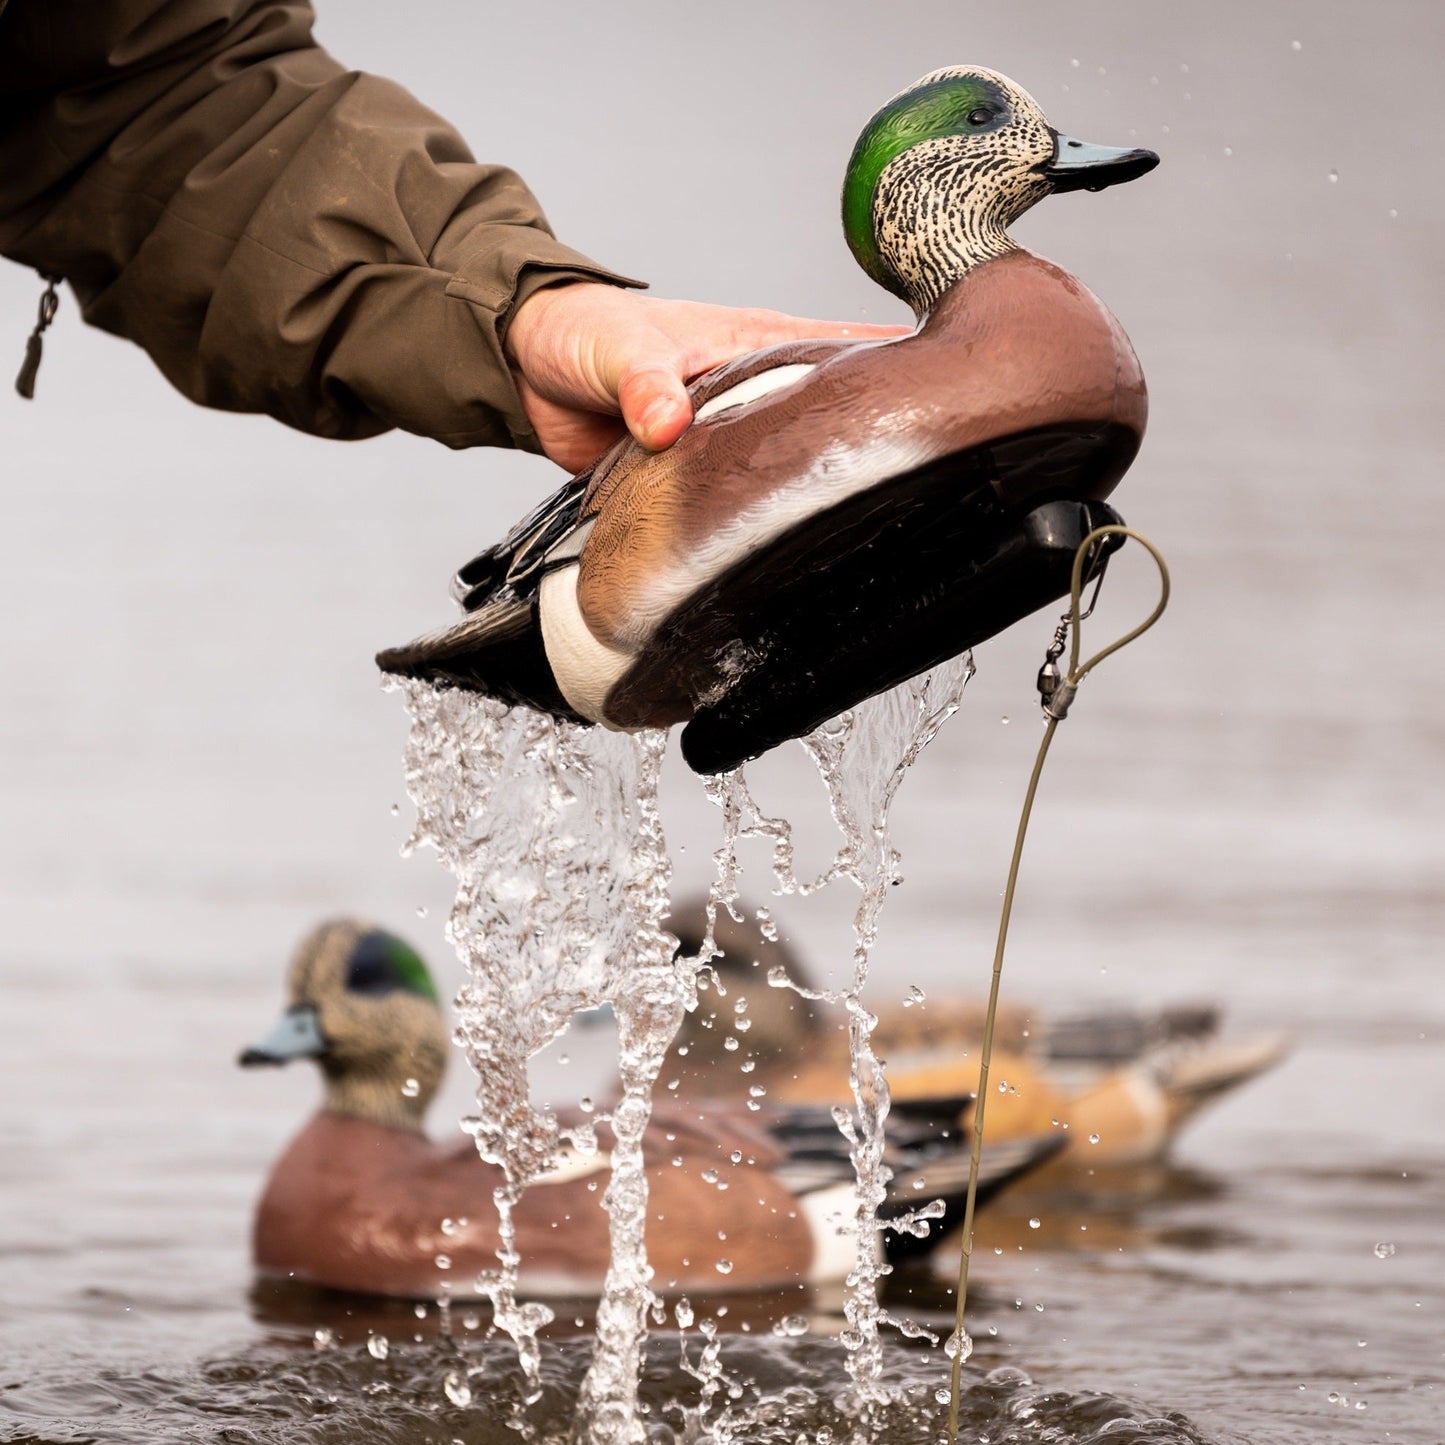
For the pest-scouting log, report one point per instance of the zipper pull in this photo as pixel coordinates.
(35, 346)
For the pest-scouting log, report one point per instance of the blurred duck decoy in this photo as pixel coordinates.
(1117, 1085)
(841, 515)
(363, 1200)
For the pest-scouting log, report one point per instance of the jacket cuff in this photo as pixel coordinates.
(528, 263)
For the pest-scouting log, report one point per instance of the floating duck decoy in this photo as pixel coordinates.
(1116, 1085)
(363, 1200)
(840, 515)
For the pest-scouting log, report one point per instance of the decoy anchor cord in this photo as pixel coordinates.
(1056, 695)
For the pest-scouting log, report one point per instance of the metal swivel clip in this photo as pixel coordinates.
(1056, 692)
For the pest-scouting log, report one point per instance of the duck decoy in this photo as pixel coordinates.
(840, 515)
(363, 1200)
(1117, 1086)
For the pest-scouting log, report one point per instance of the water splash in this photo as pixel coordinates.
(553, 835)
(862, 757)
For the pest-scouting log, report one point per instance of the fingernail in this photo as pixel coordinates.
(660, 416)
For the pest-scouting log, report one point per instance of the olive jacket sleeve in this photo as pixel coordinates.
(281, 235)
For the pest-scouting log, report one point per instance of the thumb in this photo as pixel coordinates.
(654, 403)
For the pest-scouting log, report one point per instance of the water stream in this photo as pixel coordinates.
(562, 878)
(554, 836)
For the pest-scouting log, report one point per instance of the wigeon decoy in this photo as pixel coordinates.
(840, 515)
(1117, 1085)
(363, 1200)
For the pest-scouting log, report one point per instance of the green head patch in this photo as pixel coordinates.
(951, 103)
(381, 963)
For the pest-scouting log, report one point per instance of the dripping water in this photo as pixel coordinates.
(553, 834)
(861, 757)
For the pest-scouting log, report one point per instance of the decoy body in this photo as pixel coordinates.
(840, 515)
(362, 1200)
(1117, 1086)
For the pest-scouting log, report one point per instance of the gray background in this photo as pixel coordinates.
(196, 761)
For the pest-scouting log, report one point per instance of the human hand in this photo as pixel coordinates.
(587, 354)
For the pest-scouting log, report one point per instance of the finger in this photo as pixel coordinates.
(655, 404)
(570, 436)
(749, 330)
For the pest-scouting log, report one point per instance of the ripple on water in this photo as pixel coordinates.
(776, 1392)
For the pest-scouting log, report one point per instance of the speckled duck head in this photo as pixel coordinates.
(361, 1003)
(944, 168)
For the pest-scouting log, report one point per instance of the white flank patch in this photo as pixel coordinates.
(830, 1214)
(585, 668)
(753, 388)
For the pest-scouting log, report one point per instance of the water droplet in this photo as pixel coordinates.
(444, 1261)
(1093, 1138)
(791, 1326)
(724, 1266)
(452, 1227)
(1229, 150)
(586, 1105)
(421, 910)
(709, 1176)
(419, 1310)
(777, 976)
(471, 1321)
(1362, 1343)
(1074, 64)
(410, 1089)
(396, 810)
(323, 1339)
(952, 1345)
(1005, 719)
(378, 1347)
(456, 1388)
(747, 1066)
(682, 1311)
(730, 1044)
(756, 1091)
(1035, 1223)
(1296, 45)
(736, 1156)
(1334, 177)
(1395, 215)
(1384, 1251)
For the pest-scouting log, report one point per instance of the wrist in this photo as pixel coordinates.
(532, 315)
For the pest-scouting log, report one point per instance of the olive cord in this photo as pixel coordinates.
(1057, 695)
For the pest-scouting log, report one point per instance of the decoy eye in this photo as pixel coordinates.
(981, 116)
